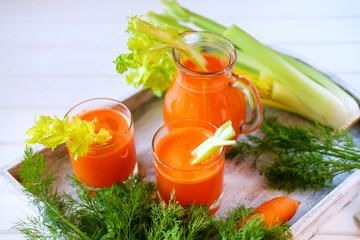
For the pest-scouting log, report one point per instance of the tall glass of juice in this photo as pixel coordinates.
(192, 184)
(217, 95)
(114, 161)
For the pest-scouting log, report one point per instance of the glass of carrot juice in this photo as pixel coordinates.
(199, 183)
(113, 162)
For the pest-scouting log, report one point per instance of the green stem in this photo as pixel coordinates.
(162, 20)
(129, 223)
(340, 154)
(149, 29)
(243, 60)
(337, 166)
(76, 229)
(174, 9)
(207, 24)
(350, 151)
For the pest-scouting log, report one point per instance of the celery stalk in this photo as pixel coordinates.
(247, 62)
(149, 63)
(302, 90)
(320, 101)
(283, 95)
(221, 129)
(221, 138)
(172, 42)
(243, 61)
(175, 10)
(275, 104)
(318, 77)
(274, 94)
(161, 20)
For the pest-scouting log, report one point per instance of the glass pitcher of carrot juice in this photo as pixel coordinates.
(218, 95)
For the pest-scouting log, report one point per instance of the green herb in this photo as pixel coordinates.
(52, 207)
(52, 132)
(128, 210)
(228, 227)
(299, 158)
(150, 58)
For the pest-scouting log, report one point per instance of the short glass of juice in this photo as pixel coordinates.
(200, 183)
(105, 165)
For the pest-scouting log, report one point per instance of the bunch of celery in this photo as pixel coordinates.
(282, 81)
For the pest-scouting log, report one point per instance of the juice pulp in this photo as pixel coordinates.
(107, 164)
(200, 183)
(208, 97)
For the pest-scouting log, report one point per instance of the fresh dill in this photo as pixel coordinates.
(296, 157)
(128, 210)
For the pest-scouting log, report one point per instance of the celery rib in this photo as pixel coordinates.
(327, 108)
(221, 138)
(147, 28)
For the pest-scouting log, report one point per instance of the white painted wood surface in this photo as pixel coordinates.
(54, 54)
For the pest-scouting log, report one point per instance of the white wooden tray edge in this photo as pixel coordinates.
(13, 190)
(329, 206)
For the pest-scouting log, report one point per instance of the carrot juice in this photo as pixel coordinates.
(212, 100)
(199, 183)
(113, 162)
(217, 95)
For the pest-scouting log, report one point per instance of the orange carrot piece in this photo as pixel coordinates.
(277, 210)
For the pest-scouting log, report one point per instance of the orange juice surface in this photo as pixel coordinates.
(213, 64)
(107, 164)
(207, 96)
(200, 183)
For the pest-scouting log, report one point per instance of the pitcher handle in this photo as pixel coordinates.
(254, 112)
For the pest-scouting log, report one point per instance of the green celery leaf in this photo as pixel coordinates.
(79, 134)
(150, 63)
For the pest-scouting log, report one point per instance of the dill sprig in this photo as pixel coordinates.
(37, 182)
(128, 210)
(296, 157)
(228, 227)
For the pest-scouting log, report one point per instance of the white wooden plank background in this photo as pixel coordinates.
(54, 54)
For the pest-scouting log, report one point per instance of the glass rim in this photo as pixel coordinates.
(228, 68)
(222, 150)
(110, 100)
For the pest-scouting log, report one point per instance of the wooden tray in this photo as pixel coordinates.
(242, 184)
